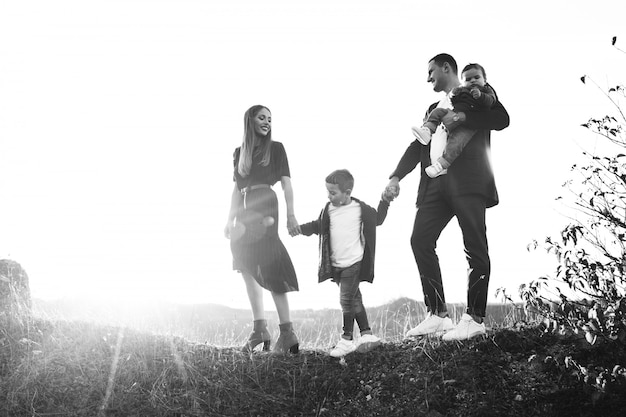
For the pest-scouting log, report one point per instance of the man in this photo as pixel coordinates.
(465, 191)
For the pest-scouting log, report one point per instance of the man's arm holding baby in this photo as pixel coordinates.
(495, 118)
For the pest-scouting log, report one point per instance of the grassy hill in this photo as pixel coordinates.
(224, 326)
(79, 368)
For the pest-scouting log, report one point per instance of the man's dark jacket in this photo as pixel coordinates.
(471, 172)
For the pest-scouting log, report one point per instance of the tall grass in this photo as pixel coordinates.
(179, 361)
(226, 327)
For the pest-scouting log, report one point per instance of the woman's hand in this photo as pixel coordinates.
(227, 229)
(292, 226)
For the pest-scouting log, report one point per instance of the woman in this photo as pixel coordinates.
(252, 228)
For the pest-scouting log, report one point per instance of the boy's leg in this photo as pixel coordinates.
(457, 139)
(360, 314)
(348, 289)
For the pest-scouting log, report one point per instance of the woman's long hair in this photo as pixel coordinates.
(253, 144)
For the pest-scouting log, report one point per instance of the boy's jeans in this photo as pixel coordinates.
(351, 300)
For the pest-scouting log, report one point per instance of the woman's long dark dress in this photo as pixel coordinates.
(257, 250)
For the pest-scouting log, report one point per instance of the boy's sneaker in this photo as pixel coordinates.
(465, 329)
(342, 348)
(422, 134)
(431, 324)
(435, 170)
(367, 342)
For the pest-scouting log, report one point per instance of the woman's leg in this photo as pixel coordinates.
(259, 333)
(282, 307)
(255, 295)
(287, 341)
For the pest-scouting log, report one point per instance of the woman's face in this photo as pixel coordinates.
(262, 122)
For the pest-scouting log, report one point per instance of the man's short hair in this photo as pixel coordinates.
(440, 59)
(342, 178)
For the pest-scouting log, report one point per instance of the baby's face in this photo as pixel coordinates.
(472, 77)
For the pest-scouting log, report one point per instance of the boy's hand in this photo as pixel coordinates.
(475, 93)
(391, 192)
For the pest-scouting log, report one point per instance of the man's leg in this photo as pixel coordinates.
(470, 212)
(431, 218)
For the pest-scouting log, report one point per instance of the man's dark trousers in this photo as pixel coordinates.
(433, 214)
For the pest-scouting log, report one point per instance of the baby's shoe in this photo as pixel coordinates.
(342, 348)
(422, 134)
(435, 170)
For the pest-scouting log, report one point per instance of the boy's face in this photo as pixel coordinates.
(336, 196)
(263, 122)
(472, 77)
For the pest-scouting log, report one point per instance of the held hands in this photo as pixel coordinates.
(292, 225)
(392, 190)
(475, 93)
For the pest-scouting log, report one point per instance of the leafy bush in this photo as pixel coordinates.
(586, 299)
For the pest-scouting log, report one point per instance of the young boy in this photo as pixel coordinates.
(347, 235)
(475, 94)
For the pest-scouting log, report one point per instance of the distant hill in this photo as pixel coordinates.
(225, 326)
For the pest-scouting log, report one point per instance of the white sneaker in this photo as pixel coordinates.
(422, 134)
(342, 348)
(435, 170)
(465, 329)
(431, 324)
(367, 342)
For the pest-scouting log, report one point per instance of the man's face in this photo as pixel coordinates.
(436, 76)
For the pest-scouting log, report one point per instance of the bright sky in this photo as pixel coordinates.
(118, 120)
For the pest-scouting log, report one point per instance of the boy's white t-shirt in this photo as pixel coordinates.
(440, 137)
(346, 244)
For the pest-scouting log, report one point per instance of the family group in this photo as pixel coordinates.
(452, 148)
